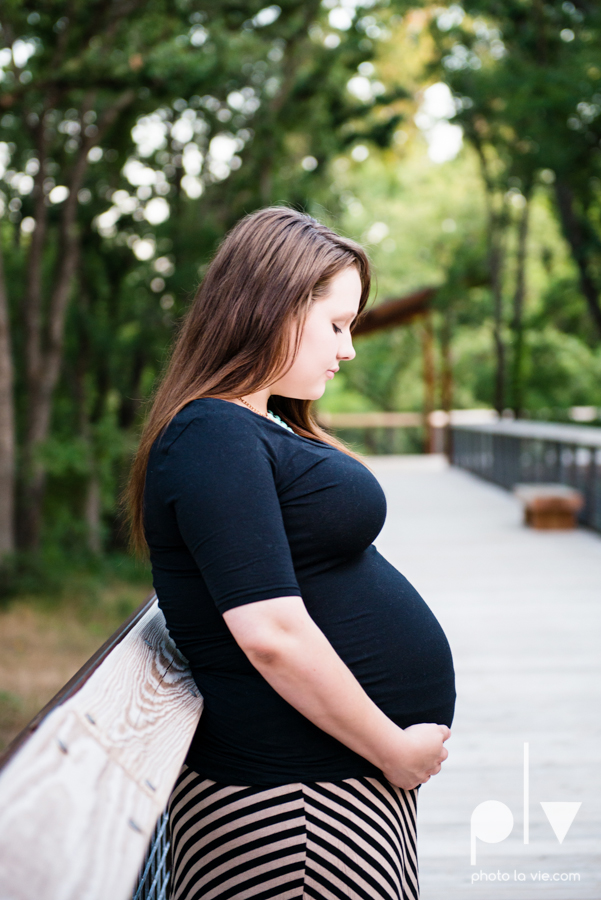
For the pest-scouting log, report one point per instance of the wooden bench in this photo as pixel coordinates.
(549, 506)
(82, 788)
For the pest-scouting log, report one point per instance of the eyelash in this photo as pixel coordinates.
(337, 330)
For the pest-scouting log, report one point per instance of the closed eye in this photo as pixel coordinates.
(336, 329)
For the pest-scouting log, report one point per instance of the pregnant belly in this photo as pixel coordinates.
(387, 635)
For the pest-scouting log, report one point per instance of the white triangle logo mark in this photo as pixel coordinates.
(560, 816)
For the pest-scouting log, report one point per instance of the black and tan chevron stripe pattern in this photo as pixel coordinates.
(345, 840)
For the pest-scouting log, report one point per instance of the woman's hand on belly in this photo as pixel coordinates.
(420, 755)
(294, 656)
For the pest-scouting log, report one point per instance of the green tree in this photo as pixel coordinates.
(134, 134)
(526, 83)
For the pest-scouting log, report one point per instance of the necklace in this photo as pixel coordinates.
(250, 406)
(268, 415)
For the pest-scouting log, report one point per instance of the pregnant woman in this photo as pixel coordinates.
(328, 683)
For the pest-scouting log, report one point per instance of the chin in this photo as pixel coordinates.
(317, 393)
(307, 394)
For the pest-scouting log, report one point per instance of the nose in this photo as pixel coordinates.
(346, 349)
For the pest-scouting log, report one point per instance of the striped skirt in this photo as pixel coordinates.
(345, 840)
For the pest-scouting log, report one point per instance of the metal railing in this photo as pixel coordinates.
(509, 453)
(154, 873)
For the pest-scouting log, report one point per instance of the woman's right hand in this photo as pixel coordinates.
(421, 754)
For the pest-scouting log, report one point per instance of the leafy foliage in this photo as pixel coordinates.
(134, 134)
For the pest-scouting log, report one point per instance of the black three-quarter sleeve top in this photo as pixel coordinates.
(238, 509)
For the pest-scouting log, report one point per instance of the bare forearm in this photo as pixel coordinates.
(308, 673)
(295, 657)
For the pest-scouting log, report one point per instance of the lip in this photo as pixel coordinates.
(331, 372)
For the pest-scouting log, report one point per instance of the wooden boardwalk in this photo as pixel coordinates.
(522, 611)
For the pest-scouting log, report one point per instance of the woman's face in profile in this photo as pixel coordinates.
(325, 341)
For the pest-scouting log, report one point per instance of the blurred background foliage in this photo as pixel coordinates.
(459, 143)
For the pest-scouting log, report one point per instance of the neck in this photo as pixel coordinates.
(259, 400)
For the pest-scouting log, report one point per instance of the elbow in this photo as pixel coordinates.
(263, 654)
(269, 632)
(267, 648)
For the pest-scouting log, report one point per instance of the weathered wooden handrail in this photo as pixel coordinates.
(510, 453)
(379, 431)
(82, 787)
(438, 418)
(371, 420)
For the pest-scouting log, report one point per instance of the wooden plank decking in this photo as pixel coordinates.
(522, 611)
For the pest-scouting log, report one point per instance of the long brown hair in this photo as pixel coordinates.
(234, 340)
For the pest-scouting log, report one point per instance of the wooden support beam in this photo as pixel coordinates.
(429, 381)
(446, 378)
(396, 311)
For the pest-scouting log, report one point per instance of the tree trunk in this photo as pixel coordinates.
(28, 499)
(518, 314)
(496, 227)
(496, 265)
(92, 508)
(32, 301)
(574, 231)
(7, 426)
(93, 511)
(41, 389)
(44, 341)
(429, 381)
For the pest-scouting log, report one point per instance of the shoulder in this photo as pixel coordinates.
(208, 423)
